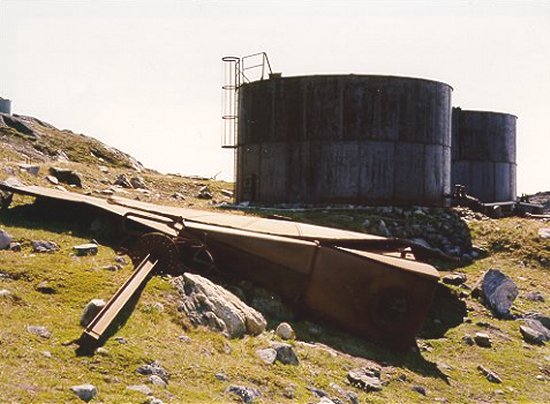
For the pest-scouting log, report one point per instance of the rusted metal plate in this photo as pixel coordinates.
(354, 280)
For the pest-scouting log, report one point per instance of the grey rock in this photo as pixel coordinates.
(221, 377)
(226, 192)
(206, 303)
(154, 400)
(138, 182)
(326, 400)
(285, 331)
(178, 196)
(85, 391)
(267, 355)
(102, 351)
(454, 279)
(5, 240)
(534, 331)
(140, 388)
(121, 340)
(4, 293)
(157, 381)
(43, 246)
(86, 249)
(246, 394)
(119, 259)
(534, 296)
(544, 320)
(47, 354)
(383, 229)
(66, 176)
(15, 247)
(366, 224)
(285, 354)
(154, 368)
(468, 340)
(46, 288)
(489, 374)
(366, 378)
(544, 232)
(41, 331)
(90, 311)
(483, 340)
(317, 392)
(122, 181)
(498, 292)
(184, 338)
(347, 394)
(13, 182)
(419, 390)
(30, 168)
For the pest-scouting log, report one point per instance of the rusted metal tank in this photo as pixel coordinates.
(366, 284)
(484, 154)
(361, 139)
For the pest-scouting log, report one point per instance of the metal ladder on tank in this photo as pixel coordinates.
(238, 71)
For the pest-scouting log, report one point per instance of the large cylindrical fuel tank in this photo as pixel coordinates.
(484, 154)
(358, 139)
(5, 106)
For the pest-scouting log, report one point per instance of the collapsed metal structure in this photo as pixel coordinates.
(369, 285)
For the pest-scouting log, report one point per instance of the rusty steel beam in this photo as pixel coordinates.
(95, 331)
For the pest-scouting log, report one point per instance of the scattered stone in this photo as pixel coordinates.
(208, 304)
(119, 259)
(86, 249)
(5, 240)
(454, 279)
(103, 169)
(490, 375)
(317, 392)
(13, 182)
(60, 188)
(112, 267)
(498, 291)
(226, 192)
(419, 390)
(366, 224)
(178, 196)
(121, 340)
(347, 394)
(468, 340)
(366, 378)
(141, 388)
(544, 232)
(85, 391)
(246, 394)
(534, 332)
(154, 400)
(184, 338)
(285, 331)
(138, 182)
(268, 355)
(534, 296)
(540, 378)
(122, 181)
(221, 377)
(66, 176)
(483, 340)
(325, 400)
(544, 320)
(15, 247)
(102, 351)
(4, 293)
(383, 229)
(204, 193)
(157, 381)
(47, 354)
(41, 331)
(42, 246)
(154, 368)
(46, 288)
(30, 168)
(90, 311)
(285, 354)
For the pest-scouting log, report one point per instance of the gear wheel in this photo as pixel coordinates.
(161, 247)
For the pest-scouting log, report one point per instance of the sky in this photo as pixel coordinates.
(145, 76)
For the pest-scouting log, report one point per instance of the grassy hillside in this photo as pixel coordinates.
(36, 369)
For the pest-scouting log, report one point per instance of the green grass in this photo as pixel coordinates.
(447, 370)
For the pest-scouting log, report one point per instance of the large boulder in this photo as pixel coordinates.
(208, 304)
(497, 291)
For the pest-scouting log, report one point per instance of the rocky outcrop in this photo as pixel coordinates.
(208, 304)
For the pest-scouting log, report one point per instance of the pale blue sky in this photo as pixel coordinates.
(145, 76)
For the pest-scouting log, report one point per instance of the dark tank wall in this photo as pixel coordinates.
(344, 139)
(484, 154)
